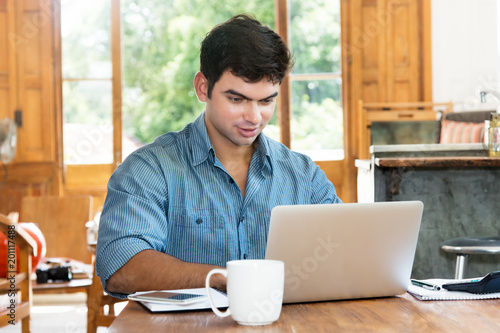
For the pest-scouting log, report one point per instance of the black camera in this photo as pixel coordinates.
(54, 272)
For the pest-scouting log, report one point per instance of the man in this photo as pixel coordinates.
(195, 199)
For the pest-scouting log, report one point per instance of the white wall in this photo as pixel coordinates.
(465, 51)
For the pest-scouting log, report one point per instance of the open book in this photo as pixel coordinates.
(218, 297)
(425, 294)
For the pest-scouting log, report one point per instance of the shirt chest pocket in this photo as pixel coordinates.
(197, 236)
(200, 219)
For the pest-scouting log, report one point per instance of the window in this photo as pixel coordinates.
(87, 82)
(316, 117)
(159, 43)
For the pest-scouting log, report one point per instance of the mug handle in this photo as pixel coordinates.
(207, 286)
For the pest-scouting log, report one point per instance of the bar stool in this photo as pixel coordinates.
(463, 247)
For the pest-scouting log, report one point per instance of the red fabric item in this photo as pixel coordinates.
(37, 235)
(461, 132)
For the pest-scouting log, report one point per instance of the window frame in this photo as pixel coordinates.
(78, 177)
(285, 96)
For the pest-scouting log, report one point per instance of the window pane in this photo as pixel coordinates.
(85, 31)
(87, 124)
(315, 36)
(161, 48)
(317, 119)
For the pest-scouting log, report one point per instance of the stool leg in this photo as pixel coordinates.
(461, 266)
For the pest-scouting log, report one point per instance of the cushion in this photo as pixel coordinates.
(461, 132)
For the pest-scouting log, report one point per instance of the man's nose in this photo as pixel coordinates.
(253, 113)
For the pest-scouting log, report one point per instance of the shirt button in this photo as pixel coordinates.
(231, 180)
(241, 219)
(245, 256)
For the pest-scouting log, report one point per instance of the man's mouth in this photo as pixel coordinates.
(248, 132)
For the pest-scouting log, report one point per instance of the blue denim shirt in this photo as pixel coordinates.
(174, 196)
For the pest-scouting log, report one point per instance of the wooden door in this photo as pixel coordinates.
(28, 64)
(386, 50)
(27, 92)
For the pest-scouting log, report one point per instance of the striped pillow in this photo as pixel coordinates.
(461, 132)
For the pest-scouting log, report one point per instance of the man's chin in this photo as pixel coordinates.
(245, 141)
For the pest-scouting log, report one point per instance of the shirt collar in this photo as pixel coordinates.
(202, 146)
(264, 152)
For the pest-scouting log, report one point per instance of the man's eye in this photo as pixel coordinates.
(267, 101)
(236, 99)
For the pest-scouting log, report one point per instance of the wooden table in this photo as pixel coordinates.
(80, 283)
(73, 286)
(394, 314)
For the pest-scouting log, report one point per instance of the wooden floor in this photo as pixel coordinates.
(57, 313)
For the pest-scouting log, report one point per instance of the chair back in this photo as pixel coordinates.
(368, 113)
(62, 222)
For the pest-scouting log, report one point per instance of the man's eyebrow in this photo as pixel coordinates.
(232, 92)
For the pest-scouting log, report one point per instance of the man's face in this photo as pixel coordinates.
(237, 111)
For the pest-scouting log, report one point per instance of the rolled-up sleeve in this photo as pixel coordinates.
(133, 218)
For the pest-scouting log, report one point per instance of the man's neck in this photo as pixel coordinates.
(235, 160)
(228, 153)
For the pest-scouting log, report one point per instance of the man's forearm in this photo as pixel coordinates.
(153, 270)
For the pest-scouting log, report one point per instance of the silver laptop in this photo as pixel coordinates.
(345, 251)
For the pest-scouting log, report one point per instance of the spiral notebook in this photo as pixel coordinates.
(445, 295)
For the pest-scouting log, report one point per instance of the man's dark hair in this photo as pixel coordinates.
(247, 48)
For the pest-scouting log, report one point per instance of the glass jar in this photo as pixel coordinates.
(494, 135)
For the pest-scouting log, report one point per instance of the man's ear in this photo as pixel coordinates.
(201, 87)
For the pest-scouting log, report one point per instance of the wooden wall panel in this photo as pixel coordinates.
(385, 36)
(27, 79)
(370, 62)
(4, 102)
(4, 80)
(31, 5)
(386, 54)
(31, 132)
(31, 46)
(4, 61)
(47, 75)
(370, 91)
(35, 136)
(402, 91)
(404, 52)
(98, 196)
(62, 222)
(3, 42)
(370, 35)
(24, 179)
(10, 197)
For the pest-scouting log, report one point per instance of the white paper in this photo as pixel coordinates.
(219, 299)
(443, 294)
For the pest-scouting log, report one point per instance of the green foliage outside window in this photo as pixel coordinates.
(161, 43)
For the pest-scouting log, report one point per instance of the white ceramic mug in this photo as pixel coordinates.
(254, 290)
